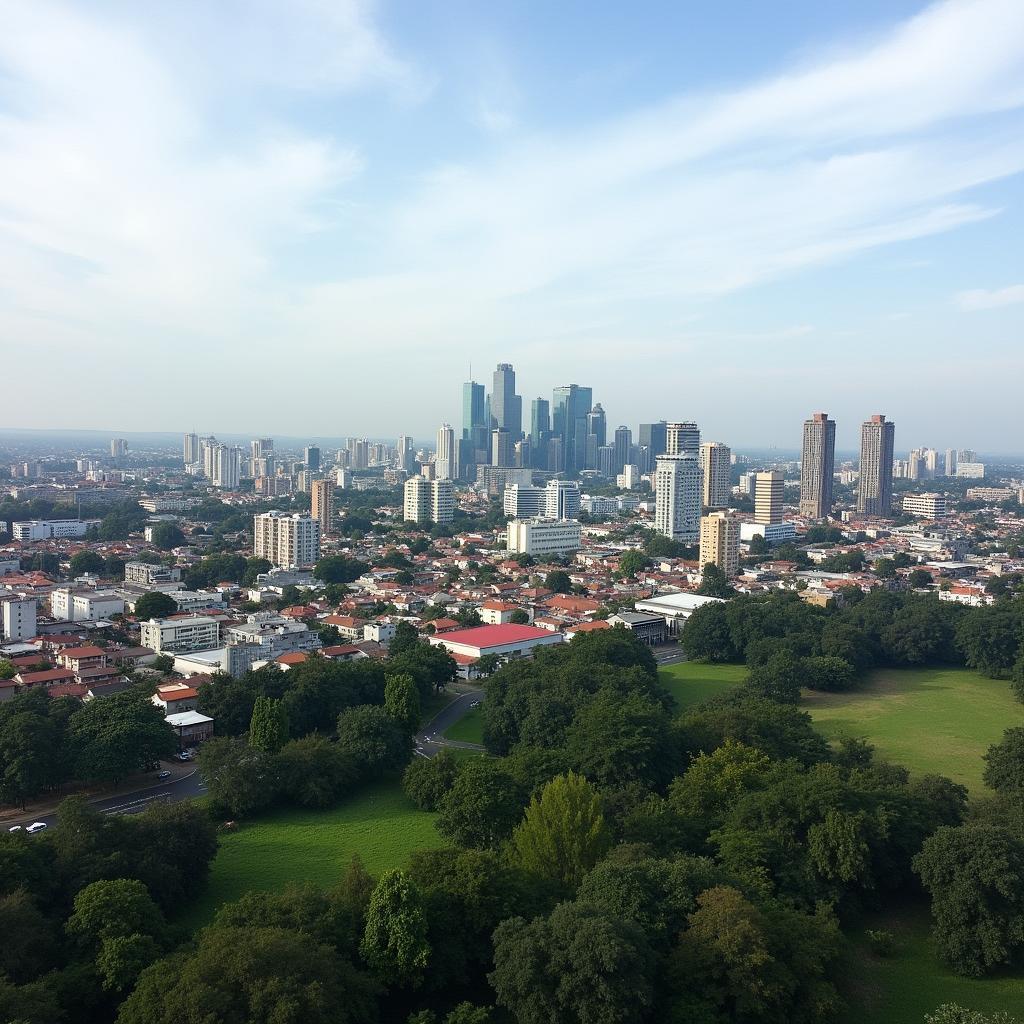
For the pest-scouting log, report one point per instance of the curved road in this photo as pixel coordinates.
(430, 739)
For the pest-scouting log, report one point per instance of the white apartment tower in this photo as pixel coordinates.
(678, 497)
(817, 466)
(190, 449)
(444, 463)
(768, 491)
(715, 468)
(428, 501)
(720, 542)
(287, 539)
(226, 466)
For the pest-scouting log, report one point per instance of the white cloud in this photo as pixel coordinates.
(990, 298)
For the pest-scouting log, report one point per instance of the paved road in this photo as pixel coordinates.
(186, 787)
(431, 739)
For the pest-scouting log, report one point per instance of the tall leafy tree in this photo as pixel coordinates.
(483, 805)
(268, 728)
(402, 701)
(154, 605)
(373, 739)
(395, 940)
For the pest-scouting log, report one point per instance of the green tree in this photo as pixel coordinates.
(402, 701)
(240, 779)
(427, 779)
(154, 605)
(630, 563)
(166, 536)
(951, 1013)
(558, 582)
(30, 759)
(87, 562)
(991, 637)
(483, 805)
(29, 947)
(395, 940)
(315, 772)
(487, 664)
(520, 617)
(268, 728)
(580, 965)
(339, 569)
(163, 663)
(563, 834)
(118, 735)
(8, 670)
(920, 578)
(1004, 764)
(714, 582)
(373, 739)
(975, 875)
(779, 678)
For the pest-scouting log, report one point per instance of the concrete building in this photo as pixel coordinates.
(629, 478)
(428, 501)
(720, 542)
(541, 537)
(190, 449)
(966, 470)
(17, 616)
(51, 529)
(225, 466)
(768, 491)
(286, 539)
(501, 448)
(187, 633)
(928, 506)
(562, 499)
(675, 609)
(445, 464)
(773, 533)
(144, 574)
(716, 469)
(817, 466)
(80, 605)
(874, 485)
(322, 505)
(524, 501)
(682, 439)
(507, 641)
(678, 496)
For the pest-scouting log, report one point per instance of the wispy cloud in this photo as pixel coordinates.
(989, 298)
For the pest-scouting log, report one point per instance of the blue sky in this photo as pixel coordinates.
(313, 216)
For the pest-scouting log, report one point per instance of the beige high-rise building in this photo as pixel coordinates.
(716, 467)
(874, 486)
(288, 540)
(768, 491)
(444, 462)
(720, 542)
(429, 501)
(817, 466)
(322, 506)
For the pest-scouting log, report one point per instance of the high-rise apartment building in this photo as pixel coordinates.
(716, 470)
(225, 466)
(682, 439)
(445, 465)
(768, 491)
(501, 448)
(817, 466)
(720, 542)
(118, 448)
(406, 450)
(677, 497)
(570, 405)
(428, 501)
(540, 432)
(506, 405)
(311, 457)
(359, 452)
(286, 539)
(190, 449)
(874, 486)
(950, 462)
(322, 505)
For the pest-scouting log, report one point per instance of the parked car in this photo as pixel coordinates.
(164, 774)
(36, 826)
(15, 828)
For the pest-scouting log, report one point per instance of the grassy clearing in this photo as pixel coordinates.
(469, 728)
(903, 987)
(380, 824)
(691, 682)
(930, 720)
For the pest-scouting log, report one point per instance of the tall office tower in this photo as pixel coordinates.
(428, 500)
(406, 453)
(118, 448)
(677, 498)
(715, 470)
(768, 491)
(501, 448)
(540, 421)
(653, 437)
(623, 445)
(720, 542)
(874, 487)
(644, 459)
(556, 455)
(322, 505)
(464, 459)
(444, 463)
(950, 465)
(311, 457)
(506, 405)
(606, 460)
(682, 439)
(474, 410)
(569, 407)
(597, 425)
(562, 499)
(817, 465)
(190, 449)
(286, 539)
(521, 454)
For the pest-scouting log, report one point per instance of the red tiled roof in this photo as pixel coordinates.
(177, 694)
(495, 636)
(292, 658)
(53, 675)
(83, 652)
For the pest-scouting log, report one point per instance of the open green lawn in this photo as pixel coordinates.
(691, 682)
(379, 823)
(469, 728)
(903, 987)
(931, 720)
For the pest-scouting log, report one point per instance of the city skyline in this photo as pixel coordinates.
(647, 211)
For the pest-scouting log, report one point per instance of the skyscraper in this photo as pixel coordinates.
(311, 457)
(190, 449)
(118, 448)
(682, 439)
(817, 464)
(445, 464)
(653, 437)
(501, 448)
(322, 505)
(720, 542)
(506, 405)
(768, 491)
(950, 461)
(623, 448)
(540, 432)
(406, 449)
(475, 424)
(562, 499)
(716, 470)
(874, 486)
(677, 498)
(569, 407)
(597, 424)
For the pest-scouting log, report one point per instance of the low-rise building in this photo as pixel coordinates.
(927, 506)
(508, 641)
(51, 529)
(77, 658)
(174, 698)
(143, 574)
(647, 627)
(17, 616)
(190, 727)
(181, 633)
(541, 537)
(675, 609)
(75, 604)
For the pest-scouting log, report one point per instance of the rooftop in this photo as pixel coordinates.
(495, 636)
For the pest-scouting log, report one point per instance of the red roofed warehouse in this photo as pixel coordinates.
(510, 641)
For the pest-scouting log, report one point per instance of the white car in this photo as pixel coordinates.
(36, 826)
(16, 828)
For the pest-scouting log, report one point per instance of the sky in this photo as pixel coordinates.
(315, 216)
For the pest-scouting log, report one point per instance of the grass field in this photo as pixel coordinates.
(903, 987)
(930, 720)
(469, 728)
(691, 682)
(380, 824)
